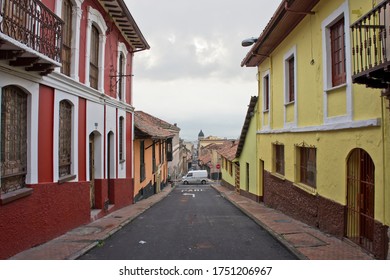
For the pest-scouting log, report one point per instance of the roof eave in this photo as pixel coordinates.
(126, 24)
(288, 15)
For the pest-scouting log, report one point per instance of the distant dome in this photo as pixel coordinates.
(201, 134)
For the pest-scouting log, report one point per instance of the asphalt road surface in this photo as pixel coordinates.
(193, 223)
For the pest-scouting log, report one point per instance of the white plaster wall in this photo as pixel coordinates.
(95, 123)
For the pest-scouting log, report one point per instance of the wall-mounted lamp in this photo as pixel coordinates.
(249, 42)
(96, 125)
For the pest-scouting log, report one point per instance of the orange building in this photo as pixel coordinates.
(152, 151)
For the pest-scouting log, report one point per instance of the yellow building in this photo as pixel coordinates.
(247, 176)
(229, 167)
(322, 140)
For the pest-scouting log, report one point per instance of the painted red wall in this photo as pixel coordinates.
(49, 3)
(121, 192)
(82, 139)
(51, 210)
(45, 134)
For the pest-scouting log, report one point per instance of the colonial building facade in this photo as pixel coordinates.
(322, 140)
(66, 115)
(153, 150)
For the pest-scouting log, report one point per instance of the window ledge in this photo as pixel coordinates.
(15, 195)
(306, 188)
(66, 178)
(279, 176)
(329, 90)
(289, 103)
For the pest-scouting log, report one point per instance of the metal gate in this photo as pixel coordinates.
(360, 199)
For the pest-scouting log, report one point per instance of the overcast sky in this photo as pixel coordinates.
(192, 75)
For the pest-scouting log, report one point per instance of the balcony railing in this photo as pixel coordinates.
(32, 24)
(371, 47)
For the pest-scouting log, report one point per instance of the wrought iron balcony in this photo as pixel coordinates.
(371, 48)
(30, 35)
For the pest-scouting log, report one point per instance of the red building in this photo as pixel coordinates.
(66, 115)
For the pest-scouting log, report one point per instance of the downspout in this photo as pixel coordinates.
(383, 158)
(384, 172)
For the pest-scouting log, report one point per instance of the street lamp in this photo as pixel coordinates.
(249, 42)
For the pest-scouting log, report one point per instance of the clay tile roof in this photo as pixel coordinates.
(148, 126)
(228, 150)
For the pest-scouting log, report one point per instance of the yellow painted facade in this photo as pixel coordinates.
(249, 178)
(228, 171)
(333, 120)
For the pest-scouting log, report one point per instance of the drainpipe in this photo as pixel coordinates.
(384, 172)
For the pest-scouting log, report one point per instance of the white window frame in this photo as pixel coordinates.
(340, 12)
(122, 50)
(265, 74)
(74, 100)
(96, 18)
(76, 21)
(291, 53)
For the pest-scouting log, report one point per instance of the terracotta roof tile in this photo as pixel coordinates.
(149, 126)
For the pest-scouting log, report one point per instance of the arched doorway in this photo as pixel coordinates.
(360, 198)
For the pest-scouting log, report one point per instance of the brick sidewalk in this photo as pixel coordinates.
(303, 240)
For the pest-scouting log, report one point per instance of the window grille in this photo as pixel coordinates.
(360, 199)
(13, 139)
(94, 58)
(67, 36)
(65, 139)
(308, 167)
(279, 159)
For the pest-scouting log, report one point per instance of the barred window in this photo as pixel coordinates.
(67, 36)
(279, 158)
(94, 58)
(308, 168)
(13, 164)
(65, 139)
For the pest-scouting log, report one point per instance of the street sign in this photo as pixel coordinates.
(218, 166)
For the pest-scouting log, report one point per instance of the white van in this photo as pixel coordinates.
(195, 176)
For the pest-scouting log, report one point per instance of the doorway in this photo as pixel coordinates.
(110, 163)
(360, 198)
(92, 169)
